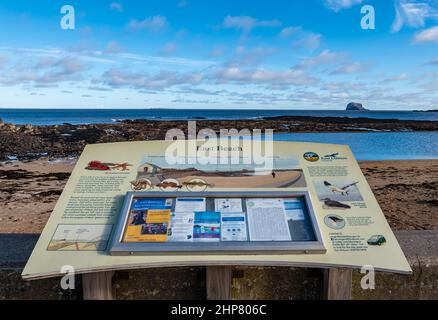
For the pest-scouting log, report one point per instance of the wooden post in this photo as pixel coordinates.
(337, 284)
(98, 286)
(219, 283)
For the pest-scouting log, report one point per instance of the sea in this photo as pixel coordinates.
(365, 145)
(95, 116)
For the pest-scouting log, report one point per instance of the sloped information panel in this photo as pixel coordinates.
(349, 227)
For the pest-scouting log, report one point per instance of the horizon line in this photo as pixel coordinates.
(197, 109)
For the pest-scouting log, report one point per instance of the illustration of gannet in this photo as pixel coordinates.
(335, 204)
(341, 190)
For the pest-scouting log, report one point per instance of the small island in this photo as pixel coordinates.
(355, 106)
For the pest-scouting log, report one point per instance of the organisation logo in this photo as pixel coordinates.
(333, 156)
(311, 156)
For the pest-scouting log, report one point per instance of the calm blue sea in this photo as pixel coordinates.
(93, 116)
(365, 145)
(376, 145)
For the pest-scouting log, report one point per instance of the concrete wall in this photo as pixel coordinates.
(248, 282)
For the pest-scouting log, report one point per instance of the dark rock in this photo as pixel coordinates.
(354, 106)
(433, 110)
(30, 142)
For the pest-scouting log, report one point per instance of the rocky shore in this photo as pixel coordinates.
(27, 142)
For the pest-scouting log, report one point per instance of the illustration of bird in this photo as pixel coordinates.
(335, 204)
(335, 221)
(333, 155)
(197, 184)
(341, 190)
(121, 166)
(141, 184)
(169, 184)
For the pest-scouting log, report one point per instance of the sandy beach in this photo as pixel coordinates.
(406, 190)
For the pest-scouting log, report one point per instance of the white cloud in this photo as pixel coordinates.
(80, 53)
(216, 52)
(250, 56)
(154, 24)
(311, 41)
(429, 84)
(337, 5)
(169, 47)
(413, 14)
(336, 87)
(246, 23)
(434, 61)
(42, 71)
(164, 80)
(266, 76)
(3, 60)
(191, 101)
(117, 78)
(116, 6)
(349, 68)
(427, 35)
(325, 57)
(97, 88)
(288, 31)
(132, 57)
(333, 63)
(399, 77)
(46, 65)
(240, 49)
(113, 47)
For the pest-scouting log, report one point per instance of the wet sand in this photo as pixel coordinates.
(407, 191)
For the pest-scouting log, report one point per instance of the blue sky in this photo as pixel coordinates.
(275, 54)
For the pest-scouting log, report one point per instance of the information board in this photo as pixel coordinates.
(353, 228)
(227, 222)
